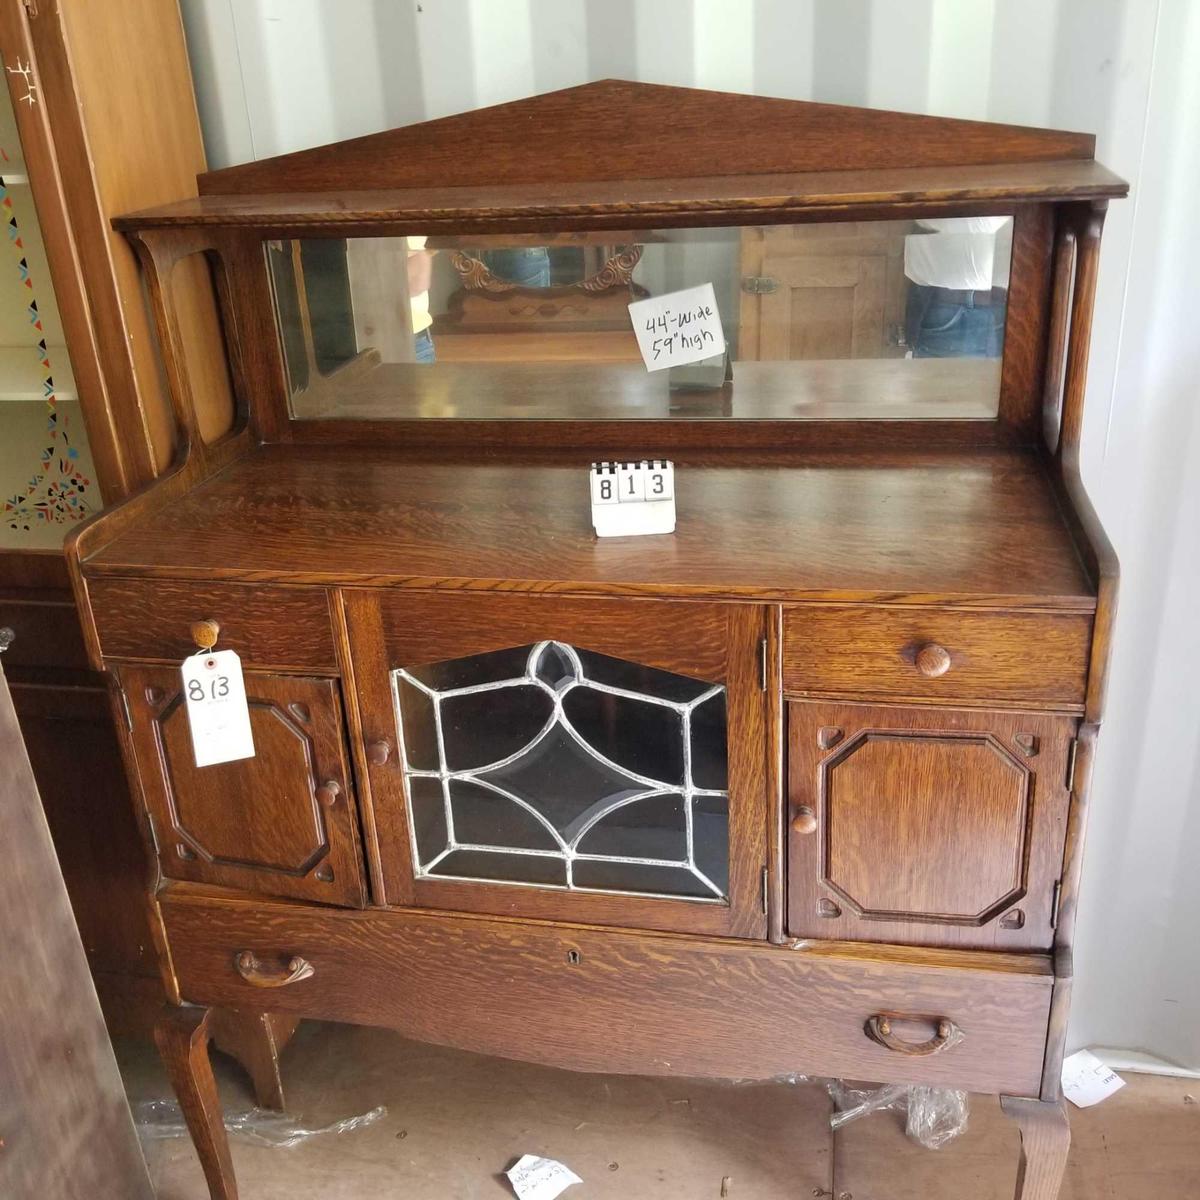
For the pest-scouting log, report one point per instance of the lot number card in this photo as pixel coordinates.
(633, 497)
(680, 327)
(217, 711)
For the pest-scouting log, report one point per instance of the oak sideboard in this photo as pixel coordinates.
(799, 787)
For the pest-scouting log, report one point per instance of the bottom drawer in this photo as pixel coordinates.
(601, 1000)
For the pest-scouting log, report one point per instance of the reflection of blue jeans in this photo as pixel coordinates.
(527, 266)
(942, 324)
(423, 347)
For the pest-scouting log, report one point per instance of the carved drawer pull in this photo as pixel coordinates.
(205, 633)
(805, 821)
(933, 660)
(879, 1029)
(255, 972)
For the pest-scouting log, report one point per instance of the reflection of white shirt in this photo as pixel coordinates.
(419, 303)
(964, 253)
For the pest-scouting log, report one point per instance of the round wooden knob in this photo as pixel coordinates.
(328, 792)
(205, 633)
(933, 660)
(805, 821)
(378, 752)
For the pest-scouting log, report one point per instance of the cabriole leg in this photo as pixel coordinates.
(182, 1035)
(1045, 1140)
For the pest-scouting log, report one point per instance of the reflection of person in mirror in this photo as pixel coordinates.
(957, 269)
(420, 276)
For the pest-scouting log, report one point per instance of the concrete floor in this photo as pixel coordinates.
(457, 1121)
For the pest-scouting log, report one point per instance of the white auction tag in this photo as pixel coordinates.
(540, 1178)
(1086, 1080)
(216, 707)
(680, 327)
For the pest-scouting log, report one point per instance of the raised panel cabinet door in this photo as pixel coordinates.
(932, 827)
(591, 760)
(283, 823)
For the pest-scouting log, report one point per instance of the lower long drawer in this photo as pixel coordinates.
(601, 1000)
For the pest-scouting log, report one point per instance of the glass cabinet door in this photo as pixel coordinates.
(47, 482)
(565, 758)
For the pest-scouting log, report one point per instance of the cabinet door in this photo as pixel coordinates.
(282, 823)
(591, 760)
(927, 826)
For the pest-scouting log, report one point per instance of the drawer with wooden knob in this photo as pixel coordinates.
(932, 655)
(152, 620)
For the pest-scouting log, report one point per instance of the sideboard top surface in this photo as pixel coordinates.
(980, 526)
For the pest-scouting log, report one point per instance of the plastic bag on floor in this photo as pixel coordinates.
(934, 1116)
(157, 1119)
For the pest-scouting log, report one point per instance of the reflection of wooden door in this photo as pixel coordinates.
(281, 823)
(822, 307)
(822, 291)
(927, 826)
(566, 759)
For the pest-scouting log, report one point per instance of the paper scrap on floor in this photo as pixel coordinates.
(540, 1178)
(1086, 1080)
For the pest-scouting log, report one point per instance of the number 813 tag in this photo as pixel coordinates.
(218, 714)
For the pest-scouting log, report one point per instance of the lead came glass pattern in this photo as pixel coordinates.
(551, 766)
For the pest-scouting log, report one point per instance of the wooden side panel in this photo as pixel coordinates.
(282, 823)
(64, 1116)
(601, 1000)
(931, 827)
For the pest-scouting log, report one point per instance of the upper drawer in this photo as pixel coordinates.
(936, 654)
(47, 633)
(269, 627)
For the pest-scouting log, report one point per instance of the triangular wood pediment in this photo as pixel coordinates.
(618, 130)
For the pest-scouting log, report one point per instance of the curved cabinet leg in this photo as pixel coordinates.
(256, 1040)
(182, 1035)
(1045, 1140)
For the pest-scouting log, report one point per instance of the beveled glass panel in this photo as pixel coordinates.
(830, 320)
(548, 766)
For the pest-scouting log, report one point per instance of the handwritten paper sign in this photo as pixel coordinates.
(217, 710)
(680, 327)
(1086, 1080)
(540, 1178)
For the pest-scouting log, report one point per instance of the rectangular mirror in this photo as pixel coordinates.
(850, 320)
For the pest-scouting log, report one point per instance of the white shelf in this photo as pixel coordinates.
(21, 373)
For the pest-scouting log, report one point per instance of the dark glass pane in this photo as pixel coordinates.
(428, 816)
(507, 868)
(636, 734)
(483, 727)
(485, 818)
(710, 838)
(563, 782)
(420, 729)
(633, 677)
(710, 763)
(554, 666)
(633, 877)
(492, 667)
(651, 828)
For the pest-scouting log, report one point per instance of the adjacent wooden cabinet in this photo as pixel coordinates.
(798, 787)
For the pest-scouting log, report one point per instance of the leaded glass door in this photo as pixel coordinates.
(588, 760)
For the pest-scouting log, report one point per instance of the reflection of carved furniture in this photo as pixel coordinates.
(801, 787)
(493, 319)
(810, 291)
